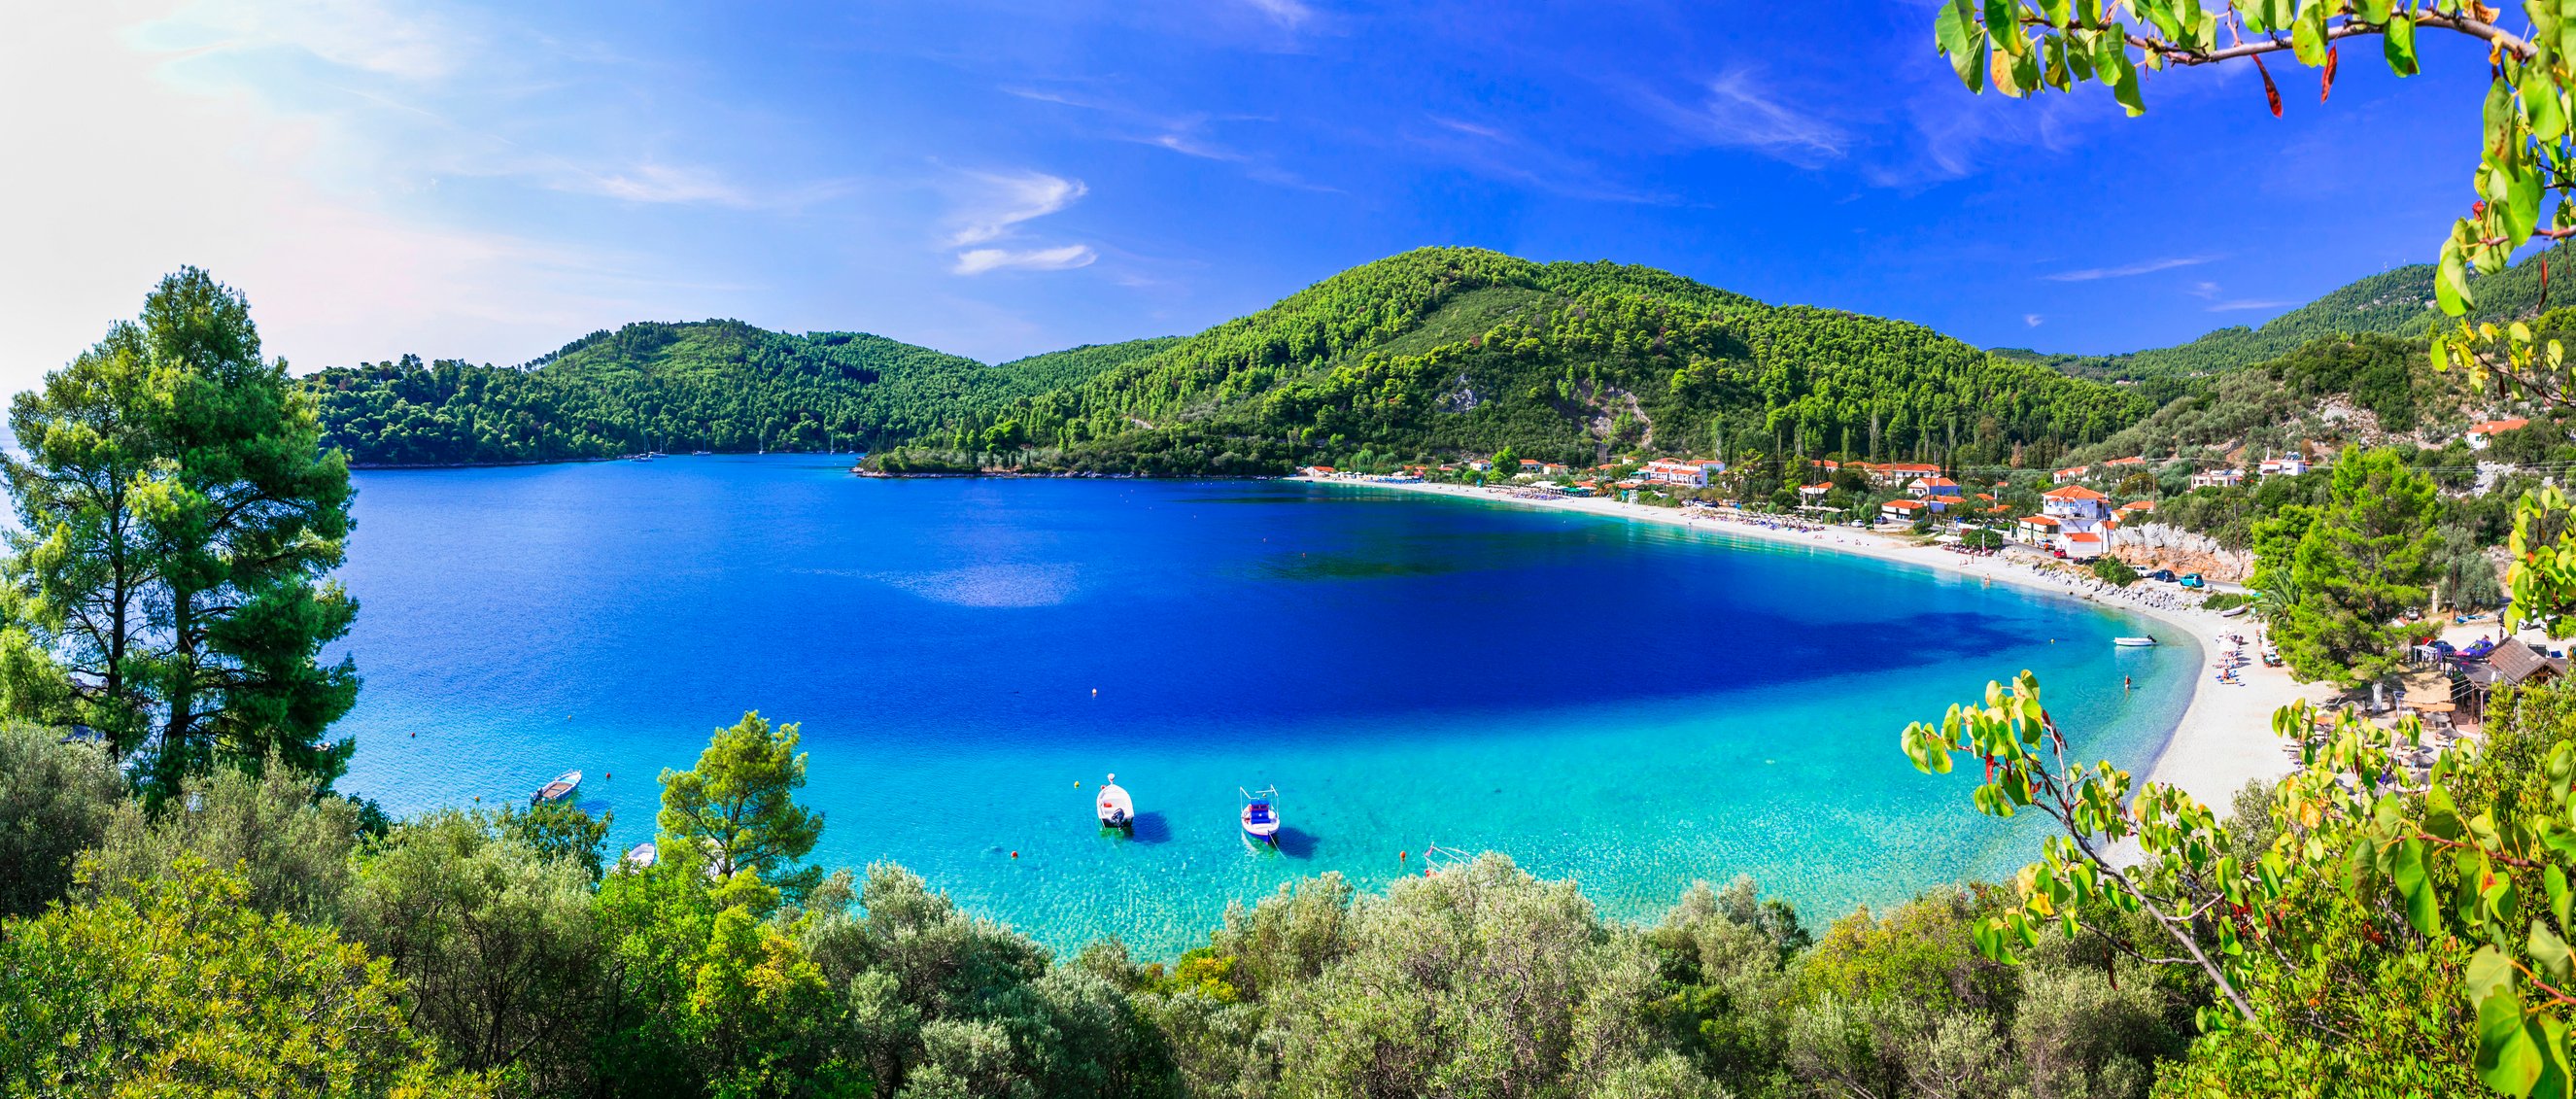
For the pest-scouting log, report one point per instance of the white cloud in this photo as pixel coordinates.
(2147, 267)
(2032, 319)
(990, 209)
(1290, 14)
(976, 261)
(1002, 201)
(1740, 112)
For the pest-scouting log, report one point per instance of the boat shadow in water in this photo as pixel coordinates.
(1150, 828)
(1291, 842)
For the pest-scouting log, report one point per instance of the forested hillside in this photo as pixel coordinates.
(2395, 302)
(1447, 351)
(714, 385)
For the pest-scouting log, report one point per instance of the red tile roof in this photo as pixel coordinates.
(2072, 492)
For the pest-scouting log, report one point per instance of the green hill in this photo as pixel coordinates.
(712, 385)
(2396, 302)
(1452, 351)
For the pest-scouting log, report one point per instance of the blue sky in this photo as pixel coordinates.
(996, 178)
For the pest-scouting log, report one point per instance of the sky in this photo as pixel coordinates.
(996, 178)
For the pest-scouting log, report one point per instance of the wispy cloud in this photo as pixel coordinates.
(2032, 319)
(991, 208)
(1008, 200)
(1739, 110)
(2147, 267)
(976, 261)
(1287, 13)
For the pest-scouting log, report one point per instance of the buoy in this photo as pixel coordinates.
(1401, 855)
(1077, 782)
(1015, 854)
(1095, 692)
(478, 797)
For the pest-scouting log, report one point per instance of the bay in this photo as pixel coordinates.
(1629, 705)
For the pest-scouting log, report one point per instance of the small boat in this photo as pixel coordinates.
(1117, 810)
(642, 855)
(2133, 642)
(1261, 814)
(561, 788)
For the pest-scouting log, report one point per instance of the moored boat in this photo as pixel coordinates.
(1261, 814)
(2133, 642)
(643, 855)
(561, 788)
(1117, 810)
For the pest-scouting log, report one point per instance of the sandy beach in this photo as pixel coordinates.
(2225, 736)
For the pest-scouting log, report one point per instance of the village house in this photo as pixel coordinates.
(2038, 530)
(1481, 467)
(2218, 478)
(1533, 466)
(1893, 474)
(2482, 434)
(1673, 472)
(2082, 545)
(2138, 507)
(2124, 464)
(2070, 473)
(2075, 507)
(1815, 492)
(1554, 469)
(2287, 466)
(1901, 511)
(1937, 493)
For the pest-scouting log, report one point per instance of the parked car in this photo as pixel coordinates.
(2192, 581)
(2166, 575)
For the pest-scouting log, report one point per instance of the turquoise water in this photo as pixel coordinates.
(1626, 704)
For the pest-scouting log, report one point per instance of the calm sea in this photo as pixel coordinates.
(1629, 705)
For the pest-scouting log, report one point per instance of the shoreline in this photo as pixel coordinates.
(2223, 739)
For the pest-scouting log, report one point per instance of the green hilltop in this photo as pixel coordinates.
(1433, 353)
(1453, 351)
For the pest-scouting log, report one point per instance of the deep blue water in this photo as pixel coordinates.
(1627, 704)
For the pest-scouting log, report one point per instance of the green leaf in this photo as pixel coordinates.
(2489, 974)
(2406, 870)
(2451, 284)
(2521, 210)
(2003, 24)
(2540, 102)
(2124, 85)
(2398, 46)
(2372, 11)
(2497, 115)
(2555, 880)
(2507, 1060)
(2308, 34)
(2550, 953)
(2441, 814)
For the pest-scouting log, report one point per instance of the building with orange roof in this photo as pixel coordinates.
(2482, 434)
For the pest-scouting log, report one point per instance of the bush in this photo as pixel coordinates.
(2225, 601)
(2115, 571)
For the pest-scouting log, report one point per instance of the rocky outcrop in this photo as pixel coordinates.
(2150, 546)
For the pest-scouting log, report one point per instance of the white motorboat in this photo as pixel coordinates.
(2133, 642)
(1261, 814)
(561, 788)
(642, 855)
(1117, 810)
